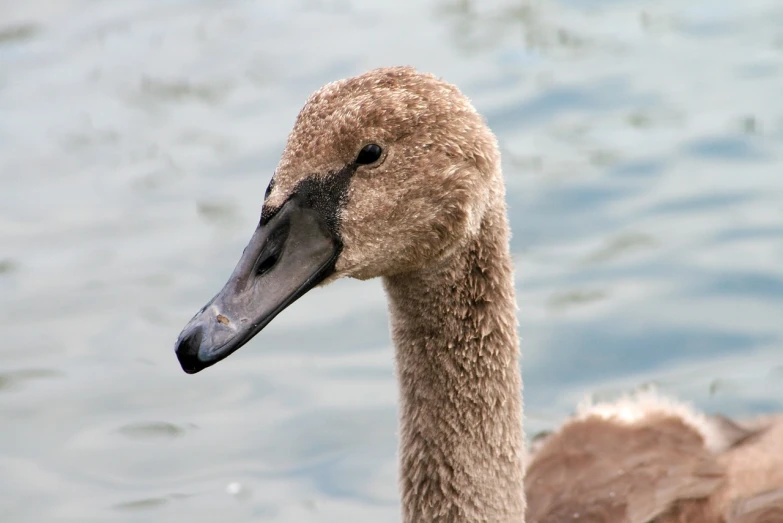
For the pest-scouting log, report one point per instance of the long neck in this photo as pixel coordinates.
(454, 328)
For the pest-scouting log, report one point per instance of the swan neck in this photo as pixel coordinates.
(455, 333)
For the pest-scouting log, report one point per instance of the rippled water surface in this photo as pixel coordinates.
(643, 153)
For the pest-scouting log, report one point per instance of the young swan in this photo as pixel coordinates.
(646, 458)
(393, 174)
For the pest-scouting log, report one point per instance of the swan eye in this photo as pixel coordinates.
(370, 153)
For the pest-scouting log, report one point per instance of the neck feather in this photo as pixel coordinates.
(461, 438)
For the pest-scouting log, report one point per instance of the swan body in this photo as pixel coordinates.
(393, 174)
(648, 458)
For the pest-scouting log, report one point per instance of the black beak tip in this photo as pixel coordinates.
(187, 349)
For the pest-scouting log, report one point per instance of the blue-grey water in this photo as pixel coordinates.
(643, 153)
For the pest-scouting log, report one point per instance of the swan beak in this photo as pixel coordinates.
(288, 255)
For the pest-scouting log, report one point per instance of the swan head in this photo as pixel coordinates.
(384, 173)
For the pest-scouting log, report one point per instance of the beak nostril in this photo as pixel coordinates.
(273, 248)
(267, 264)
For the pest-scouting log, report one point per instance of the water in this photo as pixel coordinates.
(643, 152)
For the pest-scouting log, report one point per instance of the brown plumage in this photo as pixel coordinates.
(647, 458)
(429, 218)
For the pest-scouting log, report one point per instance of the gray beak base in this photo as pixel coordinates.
(288, 255)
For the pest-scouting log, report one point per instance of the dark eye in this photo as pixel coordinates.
(370, 153)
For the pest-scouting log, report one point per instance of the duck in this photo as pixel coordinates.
(393, 174)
